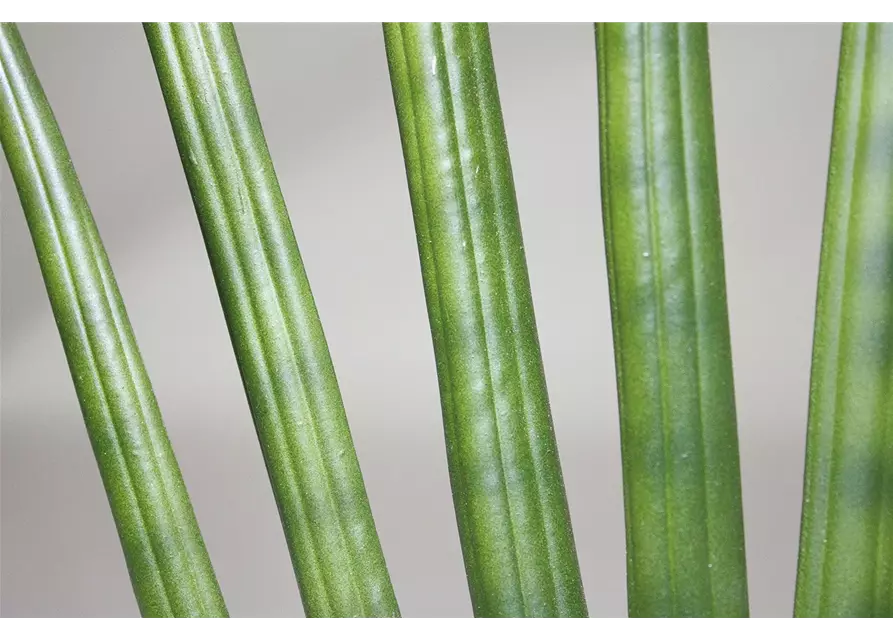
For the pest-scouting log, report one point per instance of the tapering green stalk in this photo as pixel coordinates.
(663, 237)
(507, 485)
(272, 318)
(166, 557)
(846, 540)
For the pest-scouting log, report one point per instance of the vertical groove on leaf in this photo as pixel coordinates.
(507, 485)
(846, 542)
(273, 322)
(663, 240)
(166, 556)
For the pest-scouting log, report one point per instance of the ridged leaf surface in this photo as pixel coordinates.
(507, 485)
(846, 543)
(273, 322)
(663, 237)
(166, 557)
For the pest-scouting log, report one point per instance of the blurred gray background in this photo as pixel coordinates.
(324, 98)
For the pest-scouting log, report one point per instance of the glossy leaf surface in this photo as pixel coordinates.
(506, 478)
(273, 322)
(166, 557)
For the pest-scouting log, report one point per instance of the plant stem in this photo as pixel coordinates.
(846, 542)
(663, 239)
(507, 485)
(273, 322)
(165, 554)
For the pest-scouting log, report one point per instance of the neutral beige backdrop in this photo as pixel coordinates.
(325, 102)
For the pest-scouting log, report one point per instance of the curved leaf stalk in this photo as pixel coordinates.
(273, 322)
(166, 557)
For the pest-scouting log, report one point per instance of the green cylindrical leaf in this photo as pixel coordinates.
(846, 540)
(166, 557)
(272, 318)
(663, 237)
(507, 486)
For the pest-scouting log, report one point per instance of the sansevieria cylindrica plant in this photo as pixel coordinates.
(663, 237)
(506, 478)
(165, 554)
(666, 276)
(272, 318)
(846, 545)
